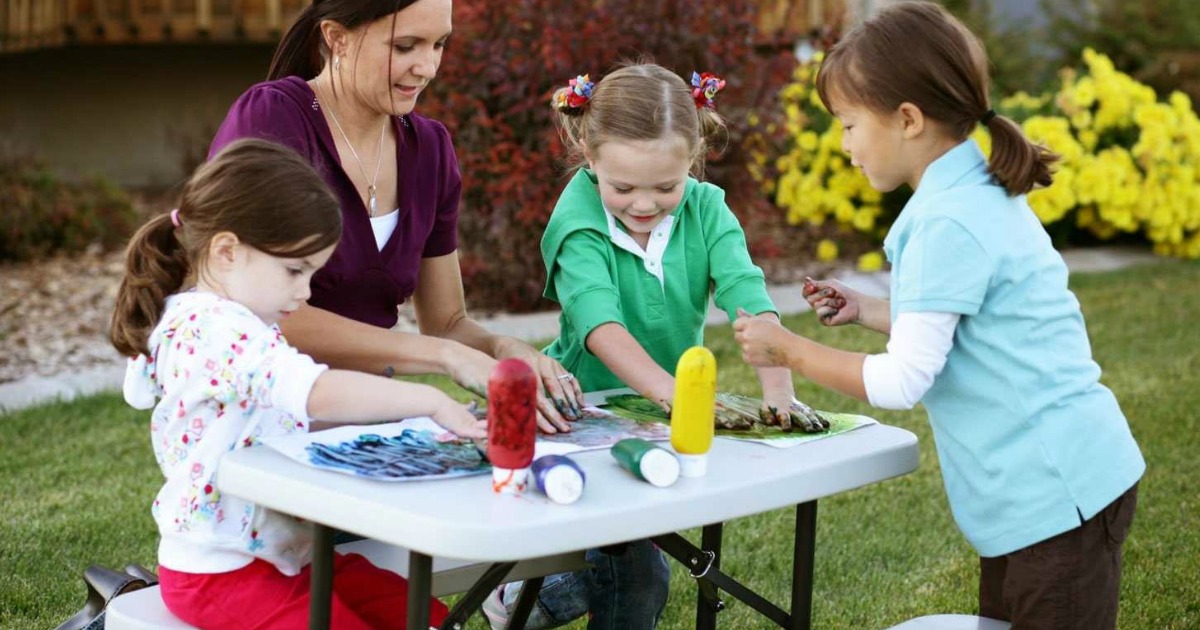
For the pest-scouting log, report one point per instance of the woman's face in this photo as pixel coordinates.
(391, 60)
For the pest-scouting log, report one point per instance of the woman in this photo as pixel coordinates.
(341, 91)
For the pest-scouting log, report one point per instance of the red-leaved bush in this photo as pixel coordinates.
(493, 92)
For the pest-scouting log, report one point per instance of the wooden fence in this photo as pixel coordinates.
(32, 24)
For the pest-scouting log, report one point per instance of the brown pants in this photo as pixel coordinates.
(1068, 582)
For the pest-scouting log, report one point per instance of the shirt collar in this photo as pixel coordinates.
(964, 164)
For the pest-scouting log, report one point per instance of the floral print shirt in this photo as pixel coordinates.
(219, 379)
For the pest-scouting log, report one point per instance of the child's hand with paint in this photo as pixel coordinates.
(834, 303)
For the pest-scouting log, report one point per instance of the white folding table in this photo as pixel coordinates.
(463, 519)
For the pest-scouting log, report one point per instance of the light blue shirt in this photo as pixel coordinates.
(1029, 440)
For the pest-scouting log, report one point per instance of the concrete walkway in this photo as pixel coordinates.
(33, 390)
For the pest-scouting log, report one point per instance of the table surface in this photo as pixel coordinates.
(463, 518)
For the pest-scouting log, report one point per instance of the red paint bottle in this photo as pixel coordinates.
(512, 424)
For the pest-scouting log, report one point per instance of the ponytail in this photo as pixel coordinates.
(570, 132)
(714, 138)
(156, 265)
(1018, 164)
(299, 52)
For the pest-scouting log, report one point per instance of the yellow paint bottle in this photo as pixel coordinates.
(692, 410)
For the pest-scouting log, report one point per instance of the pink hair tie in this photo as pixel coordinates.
(175, 218)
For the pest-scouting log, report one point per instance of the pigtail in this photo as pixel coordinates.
(714, 138)
(299, 51)
(156, 265)
(570, 106)
(1017, 163)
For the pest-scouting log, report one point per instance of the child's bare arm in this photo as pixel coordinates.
(347, 397)
(630, 362)
(768, 344)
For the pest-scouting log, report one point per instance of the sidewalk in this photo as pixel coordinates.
(35, 390)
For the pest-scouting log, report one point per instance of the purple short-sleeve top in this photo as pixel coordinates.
(361, 281)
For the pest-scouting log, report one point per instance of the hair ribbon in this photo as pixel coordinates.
(704, 88)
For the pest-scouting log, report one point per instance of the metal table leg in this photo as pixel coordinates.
(803, 553)
(321, 580)
(708, 602)
(420, 584)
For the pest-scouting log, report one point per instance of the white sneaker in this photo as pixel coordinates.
(494, 608)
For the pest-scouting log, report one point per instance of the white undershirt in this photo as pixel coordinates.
(384, 226)
(916, 353)
(656, 246)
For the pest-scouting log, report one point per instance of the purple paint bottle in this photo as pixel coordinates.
(559, 478)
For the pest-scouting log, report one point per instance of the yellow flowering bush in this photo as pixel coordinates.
(1130, 162)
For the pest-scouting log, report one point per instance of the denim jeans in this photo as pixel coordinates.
(625, 589)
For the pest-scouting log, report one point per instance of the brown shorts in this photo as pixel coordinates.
(1068, 582)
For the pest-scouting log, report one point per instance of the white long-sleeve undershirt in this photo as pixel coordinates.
(916, 353)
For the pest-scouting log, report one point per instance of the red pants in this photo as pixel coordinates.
(259, 597)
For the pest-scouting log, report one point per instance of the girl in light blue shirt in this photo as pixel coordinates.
(1038, 461)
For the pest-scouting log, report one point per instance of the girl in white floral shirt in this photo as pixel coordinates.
(197, 313)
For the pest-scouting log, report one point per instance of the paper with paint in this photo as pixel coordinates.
(417, 449)
(774, 436)
(634, 407)
(414, 449)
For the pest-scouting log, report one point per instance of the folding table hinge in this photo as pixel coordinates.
(702, 562)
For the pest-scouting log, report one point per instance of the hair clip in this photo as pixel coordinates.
(704, 88)
(573, 97)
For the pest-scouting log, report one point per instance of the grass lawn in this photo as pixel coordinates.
(76, 481)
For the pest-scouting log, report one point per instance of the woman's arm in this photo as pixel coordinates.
(441, 311)
(344, 343)
(629, 361)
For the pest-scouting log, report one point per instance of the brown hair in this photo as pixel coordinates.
(640, 101)
(302, 51)
(264, 193)
(916, 52)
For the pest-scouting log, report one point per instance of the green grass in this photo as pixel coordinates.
(76, 481)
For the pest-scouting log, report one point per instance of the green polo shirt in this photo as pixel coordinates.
(597, 282)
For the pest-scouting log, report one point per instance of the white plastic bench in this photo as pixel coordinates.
(952, 622)
(144, 609)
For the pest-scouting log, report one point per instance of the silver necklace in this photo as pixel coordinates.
(371, 200)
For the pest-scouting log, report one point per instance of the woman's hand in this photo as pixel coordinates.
(834, 303)
(763, 339)
(471, 369)
(458, 418)
(560, 398)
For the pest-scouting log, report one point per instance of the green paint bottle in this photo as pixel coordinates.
(646, 461)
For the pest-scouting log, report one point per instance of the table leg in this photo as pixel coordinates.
(321, 579)
(707, 601)
(420, 583)
(525, 601)
(803, 552)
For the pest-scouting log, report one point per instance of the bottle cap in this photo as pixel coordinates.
(509, 480)
(659, 467)
(562, 484)
(693, 465)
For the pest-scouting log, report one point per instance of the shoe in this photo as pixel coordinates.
(494, 608)
(103, 584)
(142, 573)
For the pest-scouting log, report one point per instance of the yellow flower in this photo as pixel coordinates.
(870, 262)
(827, 250)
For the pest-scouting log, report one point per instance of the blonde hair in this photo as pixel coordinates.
(643, 102)
(264, 193)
